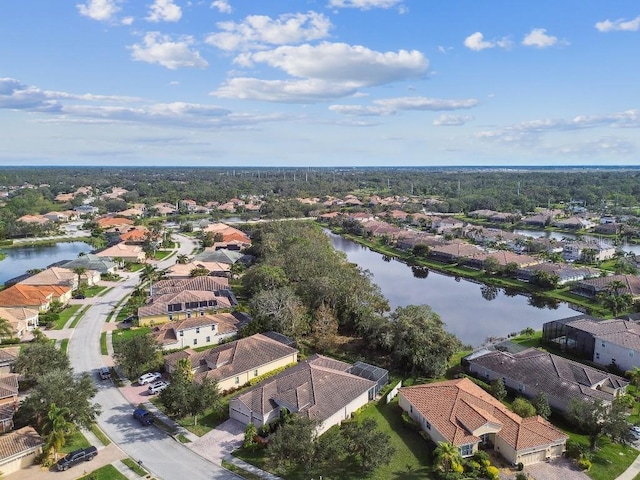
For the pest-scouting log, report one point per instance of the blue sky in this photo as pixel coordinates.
(320, 82)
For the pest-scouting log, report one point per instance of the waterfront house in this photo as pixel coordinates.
(463, 414)
(209, 329)
(126, 253)
(22, 319)
(320, 388)
(532, 371)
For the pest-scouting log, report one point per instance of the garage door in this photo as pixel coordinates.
(534, 457)
(240, 416)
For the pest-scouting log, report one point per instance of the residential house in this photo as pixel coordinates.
(233, 364)
(539, 220)
(532, 371)
(566, 273)
(8, 356)
(120, 224)
(222, 255)
(27, 296)
(504, 258)
(454, 251)
(228, 233)
(574, 223)
(92, 262)
(181, 305)
(8, 400)
(19, 449)
(54, 276)
(210, 329)
(135, 235)
(605, 342)
(587, 251)
(38, 219)
(320, 388)
(209, 284)
(463, 414)
(183, 270)
(590, 288)
(22, 319)
(132, 213)
(165, 209)
(125, 252)
(446, 224)
(86, 210)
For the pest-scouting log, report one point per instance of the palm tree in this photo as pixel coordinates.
(149, 273)
(57, 429)
(6, 329)
(448, 458)
(182, 259)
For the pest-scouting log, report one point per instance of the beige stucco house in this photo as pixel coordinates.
(319, 388)
(235, 363)
(197, 331)
(463, 414)
(18, 449)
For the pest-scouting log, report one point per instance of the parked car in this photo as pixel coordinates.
(149, 378)
(143, 416)
(77, 456)
(157, 387)
(79, 296)
(105, 373)
(635, 431)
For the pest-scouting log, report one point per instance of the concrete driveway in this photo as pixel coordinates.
(557, 469)
(220, 441)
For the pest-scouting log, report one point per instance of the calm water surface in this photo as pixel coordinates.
(460, 303)
(19, 260)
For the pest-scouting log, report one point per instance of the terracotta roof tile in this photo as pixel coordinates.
(19, 441)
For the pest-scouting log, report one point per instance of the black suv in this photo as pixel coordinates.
(77, 456)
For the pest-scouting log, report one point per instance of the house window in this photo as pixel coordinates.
(521, 387)
(597, 355)
(255, 373)
(197, 330)
(603, 345)
(213, 328)
(208, 339)
(202, 314)
(182, 333)
(466, 450)
(188, 314)
(170, 317)
(237, 380)
(195, 341)
(428, 425)
(631, 353)
(410, 408)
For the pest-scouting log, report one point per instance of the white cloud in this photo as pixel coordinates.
(162, 50)
(164, 11)
(222, 6)
(364, 4)
(101, 10)
(390, 106)
(620, 25)
(64, 107)
(476, 42)
(257, 31)
(599, 147)
(538, 37)
(340, 62)
(452, 120)
(527, 134)
(325, 71)
(127, 21)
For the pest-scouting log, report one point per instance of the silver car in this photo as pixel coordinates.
(157, 387)
(149, 378)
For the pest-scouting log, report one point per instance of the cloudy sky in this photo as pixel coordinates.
(320, 82)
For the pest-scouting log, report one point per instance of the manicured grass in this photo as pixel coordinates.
(95, 429)
(64, 344)
(162, 254)
(206, 422)
(120, 335)
(108, 472)
(141, 472)
(182, 439)
(93, 291)
(103, 344)
(76, 441)
(411, 460)
(79, 316)
(609, 460)
(134, 267)
(65, 315)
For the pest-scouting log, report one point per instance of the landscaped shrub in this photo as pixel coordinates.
(522, 476)
(575, 449)
(492, 473)
(584, 464)
(520, 466)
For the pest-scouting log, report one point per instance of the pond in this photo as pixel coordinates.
(473, 312)
(21, 259)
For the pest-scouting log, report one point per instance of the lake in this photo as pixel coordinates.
(471, 311)
(21, 259)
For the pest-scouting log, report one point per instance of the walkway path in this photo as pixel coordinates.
(632, 472)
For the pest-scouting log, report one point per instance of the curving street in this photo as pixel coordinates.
(162, 456)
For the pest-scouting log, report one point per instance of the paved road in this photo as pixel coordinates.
(161, 455)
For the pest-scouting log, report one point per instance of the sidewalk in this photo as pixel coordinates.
(631, 472)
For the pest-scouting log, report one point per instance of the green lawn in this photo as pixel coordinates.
(76, 441)
(65, 315)
(108, 472)
(120, 335)
(95, 429)
(93, 291)
(610, 460)
(64, 344)
(162, 254)
(103, 344)
(411, 460)
(141, 472)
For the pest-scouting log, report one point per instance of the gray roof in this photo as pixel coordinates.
(91, 262)
(556, 376)
(204, 283)
(222, 255)
(317, 388)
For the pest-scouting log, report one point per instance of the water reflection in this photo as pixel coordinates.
(459, 302)
(420, 272)
(489, 292)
